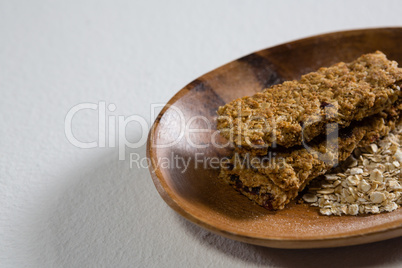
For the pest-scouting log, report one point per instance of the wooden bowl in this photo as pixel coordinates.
(195, 191)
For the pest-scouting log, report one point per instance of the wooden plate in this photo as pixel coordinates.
(196, 193)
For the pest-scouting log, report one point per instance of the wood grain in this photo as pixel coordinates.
(197, 194)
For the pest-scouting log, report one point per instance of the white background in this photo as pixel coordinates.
(62, 206)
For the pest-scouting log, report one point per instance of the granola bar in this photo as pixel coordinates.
(273, 184)
(296, 111)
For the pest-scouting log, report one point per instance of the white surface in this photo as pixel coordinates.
(63, 206)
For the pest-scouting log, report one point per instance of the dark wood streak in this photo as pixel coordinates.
(158, 118)
(205, 95)
(264, 69)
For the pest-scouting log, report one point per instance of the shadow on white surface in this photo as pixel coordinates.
(110, 215)
(386, 253)
(98, 218)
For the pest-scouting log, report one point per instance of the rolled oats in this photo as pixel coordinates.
(353, 180)
(376, 175)
(372, 148)
(377, 197)
(353, 209)
(310, 198)
(326, 191)
(371, 184)
(364, 186)
(355, 171)
(398, 156)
